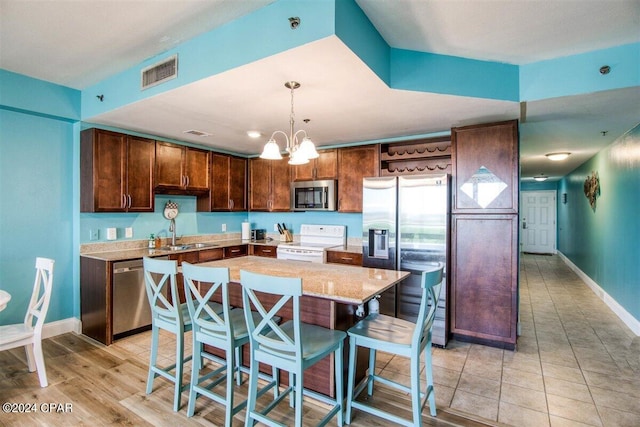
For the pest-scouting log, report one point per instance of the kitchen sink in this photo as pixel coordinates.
(188, 246)
(204, 245)
(175, 248)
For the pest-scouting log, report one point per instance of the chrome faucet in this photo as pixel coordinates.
(172, 230)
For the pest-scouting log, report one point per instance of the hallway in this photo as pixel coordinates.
(576, 363)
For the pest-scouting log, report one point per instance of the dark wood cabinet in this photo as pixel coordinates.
(228, 184)
(324, 167)
(355, 163)
(213, 254)
(269, 188)
(235, 251)
(485, 168)
(116, 172)
(340, 257)
(181, 169)
(262, 250)
(484, 276)
(484, 242)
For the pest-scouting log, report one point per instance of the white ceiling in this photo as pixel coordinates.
(78, 43)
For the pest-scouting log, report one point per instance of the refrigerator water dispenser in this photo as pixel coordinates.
(379, 243)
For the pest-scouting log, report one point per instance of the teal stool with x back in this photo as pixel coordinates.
(226, 330)
(403, 338)
(168, 314)
(292, 346)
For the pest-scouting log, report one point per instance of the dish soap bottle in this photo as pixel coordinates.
(152, 242)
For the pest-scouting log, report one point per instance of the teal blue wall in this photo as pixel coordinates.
(188, 223)
(604, 243)
(535, 186)
(37, 211)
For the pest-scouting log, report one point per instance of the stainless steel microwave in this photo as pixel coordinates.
(313, 195)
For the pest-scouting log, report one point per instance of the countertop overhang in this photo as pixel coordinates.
(341, 283)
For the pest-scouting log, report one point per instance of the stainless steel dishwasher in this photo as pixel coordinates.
(131, 309)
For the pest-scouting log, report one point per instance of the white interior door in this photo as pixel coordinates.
(538, 222)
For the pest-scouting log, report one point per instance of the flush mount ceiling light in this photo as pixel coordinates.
(300, 152)
(557, 156)
(540, 178)
(253, 134)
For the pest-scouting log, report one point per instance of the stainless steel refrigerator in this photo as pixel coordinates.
(405, 226)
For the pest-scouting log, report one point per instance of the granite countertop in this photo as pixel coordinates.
(127, 253)
(352, 249)
(342, 283)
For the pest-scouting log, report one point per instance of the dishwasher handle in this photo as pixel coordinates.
(126, 269)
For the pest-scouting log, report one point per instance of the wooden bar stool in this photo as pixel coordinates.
(292, 346)
(403, 338)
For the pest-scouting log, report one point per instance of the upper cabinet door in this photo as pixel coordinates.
(237, 184)
(103, 174)
(169, 165)
(141, 154)
(280, 185)
(259, 184)
(485, 168)
(228, 184)
(181, 169)
(354, 164)
(116, 172)
(324, 167)
(196, 169)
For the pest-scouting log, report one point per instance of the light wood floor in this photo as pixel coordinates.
(105, 386)
(576, 365)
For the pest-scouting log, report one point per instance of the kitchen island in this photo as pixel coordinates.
(331, 295)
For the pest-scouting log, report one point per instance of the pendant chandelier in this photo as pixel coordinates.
(300, 151)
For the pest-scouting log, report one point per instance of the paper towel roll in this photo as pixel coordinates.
(246, 230)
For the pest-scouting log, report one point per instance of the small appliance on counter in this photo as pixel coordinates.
(246, 230)
(258, 234)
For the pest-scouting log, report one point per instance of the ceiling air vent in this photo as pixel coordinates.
(160, 72)
(197, 132)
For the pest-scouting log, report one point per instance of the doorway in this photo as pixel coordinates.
(538, 222)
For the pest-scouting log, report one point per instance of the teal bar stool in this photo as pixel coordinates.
(403, 338)
(292, 346)
(172, 316)
(226, 330)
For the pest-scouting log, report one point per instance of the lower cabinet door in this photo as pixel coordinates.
(484, 278)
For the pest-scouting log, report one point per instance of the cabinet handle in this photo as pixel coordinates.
(269, 204)
(231, 204)
(233, 251)
(123, 201)
(187, 180)
(266, 251)
(346, 258)
(129, 199)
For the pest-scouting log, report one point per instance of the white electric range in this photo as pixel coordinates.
(314, 239)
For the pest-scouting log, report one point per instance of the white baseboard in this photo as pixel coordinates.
(624, 315)
(60, 327)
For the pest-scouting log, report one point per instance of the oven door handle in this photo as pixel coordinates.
(325, 197)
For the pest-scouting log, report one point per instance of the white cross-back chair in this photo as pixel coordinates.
(28, 334)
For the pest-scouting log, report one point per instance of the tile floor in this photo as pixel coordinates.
(576, 364)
